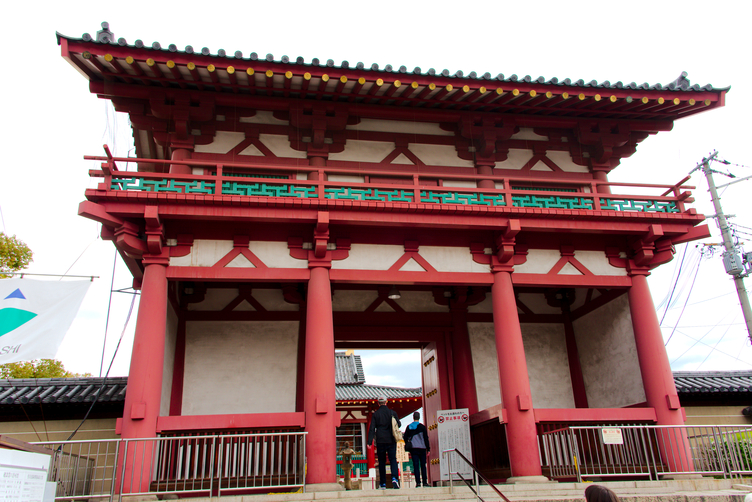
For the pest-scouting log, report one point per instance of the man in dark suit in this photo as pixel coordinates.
(386, 445)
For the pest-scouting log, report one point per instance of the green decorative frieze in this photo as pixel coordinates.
(468, 199)
(643, 206)
(349, 193)
(164, 186)
(268, 190)
(552, 202)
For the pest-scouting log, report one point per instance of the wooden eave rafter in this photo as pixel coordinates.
(146, 67)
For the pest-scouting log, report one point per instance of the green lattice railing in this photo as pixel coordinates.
(468, 198)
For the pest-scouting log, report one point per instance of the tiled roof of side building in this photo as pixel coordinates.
(713, 382)
(372, 392)
(106, 37)
(348, 370)
(61, 390)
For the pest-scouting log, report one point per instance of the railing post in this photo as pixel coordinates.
(218, 182)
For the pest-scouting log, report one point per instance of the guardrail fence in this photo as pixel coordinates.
(208, 465)
(643, 450)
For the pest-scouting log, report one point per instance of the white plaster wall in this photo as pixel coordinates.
(460, 183)
(528, 133)
(275, 254)
(399, 126)
(263, 117)
(273, 300)
(608, 356)
(171, 331)
(280, 146)
(344, 178)
(486, 306)
(204, 253)
(419, 301)
(370, 257)
(240, 367)
(516, 159)
(215, 299)
(539, 261)
(439, 155)
(547, 365)
(451, 259)
(363, 151)
(352, 300)
(597, 263)
(485, 363)
(224, 141)
(564, 161)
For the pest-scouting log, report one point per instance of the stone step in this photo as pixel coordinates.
(684, 490)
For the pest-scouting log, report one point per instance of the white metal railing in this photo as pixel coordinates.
(647, 450)
(209, 464)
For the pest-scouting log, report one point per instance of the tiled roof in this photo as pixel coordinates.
(61, 390)
(348, 370)
(105, 36)
(372, 392)
(713, 382)
(107, 60)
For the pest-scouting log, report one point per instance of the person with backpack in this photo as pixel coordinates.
(386, 444)
(416, 435)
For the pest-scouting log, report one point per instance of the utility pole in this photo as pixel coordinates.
(731, 259)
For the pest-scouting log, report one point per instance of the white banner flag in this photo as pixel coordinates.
(35, 316)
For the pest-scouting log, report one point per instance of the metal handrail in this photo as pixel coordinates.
(476, 475)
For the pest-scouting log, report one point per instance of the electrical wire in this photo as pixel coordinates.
(109, 307)
(685, 302)
(671, 295)
(104, 380)
(719, 341)
(79, 257)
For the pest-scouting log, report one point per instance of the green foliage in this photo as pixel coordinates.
(14, 254)
(39, 368)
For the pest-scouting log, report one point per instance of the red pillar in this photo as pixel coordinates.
(319, 399)
(144, 394)
(462, 360)
(657, 378)
(485, 169)
(143, 397)
(515, 385)
(601, 175)
(180, 154)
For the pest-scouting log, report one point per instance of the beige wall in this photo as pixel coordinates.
(59, 430)
(547, 365)
(608, 356)
(240, 367)
(716, 415)
(485, 365)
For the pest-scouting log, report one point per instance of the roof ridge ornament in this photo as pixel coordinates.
(104, 35)
(682, 82)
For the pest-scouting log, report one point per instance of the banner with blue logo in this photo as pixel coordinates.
(35, 316)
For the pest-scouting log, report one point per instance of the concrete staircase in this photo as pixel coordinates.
(687, 490)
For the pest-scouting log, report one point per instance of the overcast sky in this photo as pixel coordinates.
(50, 121)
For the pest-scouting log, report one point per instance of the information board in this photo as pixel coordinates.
(612, 435)
(23, 476)
(454, 432)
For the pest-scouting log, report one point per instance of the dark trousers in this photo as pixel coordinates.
(419, 465)
(382, 450)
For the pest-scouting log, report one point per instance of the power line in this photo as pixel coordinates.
(685, 302)
(668, 303)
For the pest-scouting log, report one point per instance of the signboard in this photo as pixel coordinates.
(454, 432)
(612, 435)
(23, 476)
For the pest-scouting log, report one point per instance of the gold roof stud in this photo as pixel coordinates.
(343, 79)
(191, 65)
(250, 71)
(108, 57)
(449, 87)
(150, 62)
(533, 93)
(597, 97)
(691, 102)
(230, 70)
(549, 94)
(288, 74)
(129, 59)
(432, 86)
(644, 100)
(565, 95)
(86, 55)
(170, 64)
(362, 80)
(677, 101)
(581, 96)
(612, 98)
(414, 85)
(397, 83)
(482, 90)
(707, 102)
(269, 73)
(516, 92)
(465, 88)
(307, 76)
(379, 82)
(661, 101)
(325, 77)
(211, 68)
